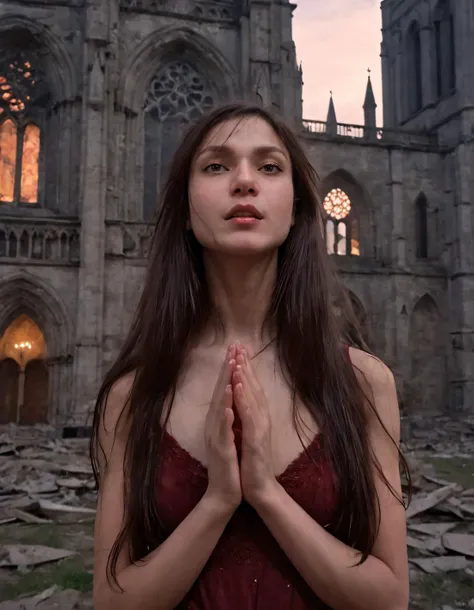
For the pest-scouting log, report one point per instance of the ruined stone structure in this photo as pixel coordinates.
(93, 95)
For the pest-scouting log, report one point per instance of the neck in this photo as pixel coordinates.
(241, 289)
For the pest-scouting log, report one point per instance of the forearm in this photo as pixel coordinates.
(325, 562)
(162, 579)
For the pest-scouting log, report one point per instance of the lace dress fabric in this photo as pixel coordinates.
(247, 569)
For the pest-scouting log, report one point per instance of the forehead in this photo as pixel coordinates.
(249, 131)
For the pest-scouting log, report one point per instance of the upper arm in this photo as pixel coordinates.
(112, 435)
(378, 383)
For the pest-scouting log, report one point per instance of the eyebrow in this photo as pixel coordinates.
(227, 150)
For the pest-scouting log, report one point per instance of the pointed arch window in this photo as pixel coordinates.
(22, 93)
(421, 227)
(178, 95)
(445, 49)
(342, 226)
(415, 90)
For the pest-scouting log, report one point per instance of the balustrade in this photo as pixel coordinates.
(27, 241)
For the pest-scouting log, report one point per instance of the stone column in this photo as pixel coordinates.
(397, 334)
(99, 51)
(427, 68)
(461, 284)
(398, 241)
(259, 61)
(399, 86)
(387, 86)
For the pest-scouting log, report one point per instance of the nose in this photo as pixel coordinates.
(245, 181)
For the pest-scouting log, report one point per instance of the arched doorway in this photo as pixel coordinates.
(427, 387)
(35, 401)
(24, 378)
(9, 385)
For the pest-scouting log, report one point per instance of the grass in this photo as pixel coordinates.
(70, 573)
(456, 469)
(66, 574)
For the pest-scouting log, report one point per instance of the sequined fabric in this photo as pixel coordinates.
(247, 570)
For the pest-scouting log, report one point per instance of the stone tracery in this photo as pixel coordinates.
(178, 91)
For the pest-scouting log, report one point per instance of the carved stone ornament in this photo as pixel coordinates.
(221, 10)
(52, 244)
(178, 91)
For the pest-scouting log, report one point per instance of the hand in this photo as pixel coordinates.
(256, 466)
(223, 467)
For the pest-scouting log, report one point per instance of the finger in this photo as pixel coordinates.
(227, 415)
(242, 375)
(243, 409)
(225, 372)
(251, 378)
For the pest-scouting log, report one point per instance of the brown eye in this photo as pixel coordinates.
(271, 168)
(214, 168)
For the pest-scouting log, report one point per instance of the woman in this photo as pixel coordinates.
(246, 458)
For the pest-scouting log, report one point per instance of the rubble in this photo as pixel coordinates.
(45, 480)
(50, 599)
(28, 555)
(42, 479)
(440, 517)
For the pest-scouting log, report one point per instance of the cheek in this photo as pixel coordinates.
(283, 198)
(203, 212)
(200, 202)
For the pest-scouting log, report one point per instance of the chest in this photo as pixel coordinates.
(186, 422)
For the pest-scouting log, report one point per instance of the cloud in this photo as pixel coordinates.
(337, 42)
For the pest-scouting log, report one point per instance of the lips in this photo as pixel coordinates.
(244, 211)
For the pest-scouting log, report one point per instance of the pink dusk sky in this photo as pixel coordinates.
(337, 41)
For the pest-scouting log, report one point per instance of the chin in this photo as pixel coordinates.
(249, 245)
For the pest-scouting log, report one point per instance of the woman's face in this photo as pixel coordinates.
(241, 189)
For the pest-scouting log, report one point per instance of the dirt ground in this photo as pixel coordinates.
(446, 590)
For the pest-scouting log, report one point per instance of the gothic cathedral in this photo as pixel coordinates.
(93, 95)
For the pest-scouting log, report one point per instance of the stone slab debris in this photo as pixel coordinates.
(432, 529)
(433, 565)
(424, 501)
(51, 599)
(27, 555)
(459, 543)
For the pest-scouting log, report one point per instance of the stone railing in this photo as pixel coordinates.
(43, 240)
(378, 134)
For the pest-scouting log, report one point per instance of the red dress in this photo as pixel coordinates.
(247, 569)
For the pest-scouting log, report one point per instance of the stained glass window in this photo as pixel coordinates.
(342, 228)
(8, 154)
(29, 164)
(337, 204)
(23, 98)
(22, 84)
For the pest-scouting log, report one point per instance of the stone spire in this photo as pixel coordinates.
(370, 106)
(331, 121)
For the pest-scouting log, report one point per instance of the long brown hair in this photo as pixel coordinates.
(174, 308)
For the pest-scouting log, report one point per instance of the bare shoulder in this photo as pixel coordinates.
(371, 368)
(113, 427)
(117, 401)
(378, 383)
